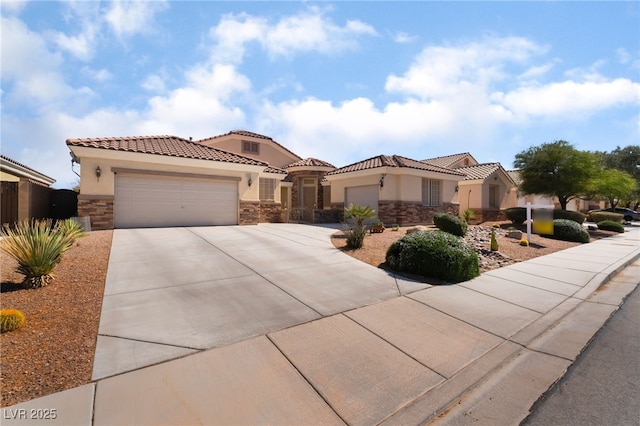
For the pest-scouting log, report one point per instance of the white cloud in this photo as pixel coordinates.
(130, 17)
(12, 6)
(403, 38)
(570, 98)
(623, 55)
(30, 66)
(307, 31)
(445, 70)
(100, 75)
(154, 83)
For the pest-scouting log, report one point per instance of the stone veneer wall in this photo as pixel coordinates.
(295, 188)
(407, 214)
(271, 212)
(98, 208)
(249, 213)
(328, 215)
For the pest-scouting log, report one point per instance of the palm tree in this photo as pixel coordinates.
(359, 213)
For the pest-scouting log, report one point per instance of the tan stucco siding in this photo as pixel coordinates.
(398, 186)
(91, 159)
(268, 152)
(6, 177)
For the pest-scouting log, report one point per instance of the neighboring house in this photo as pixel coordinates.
(401, 190)
(300, 195)
(243, 177)
(575, 204)
(236, 178)
(25, 192)
(487, 189)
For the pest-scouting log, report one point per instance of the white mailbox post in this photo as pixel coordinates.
(536, 206)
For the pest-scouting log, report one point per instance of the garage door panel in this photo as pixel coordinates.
(363, 196)
(156, 201)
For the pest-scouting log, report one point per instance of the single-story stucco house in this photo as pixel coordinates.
(25, 192)
(243, 178)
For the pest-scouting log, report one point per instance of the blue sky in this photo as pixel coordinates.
(339, 81)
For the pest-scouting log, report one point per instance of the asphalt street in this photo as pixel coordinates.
(603, 386)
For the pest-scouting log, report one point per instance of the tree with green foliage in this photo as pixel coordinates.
(626, 159)
(613, 185)
(556, 169)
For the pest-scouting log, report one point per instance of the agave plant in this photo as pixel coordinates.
(37, 246)
(70, 227)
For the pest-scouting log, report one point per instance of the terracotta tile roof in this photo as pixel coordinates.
(448, 160)
(392, 161)
(275, 170)
(41, 176)
(311, 162)
(172, 146)
(246, 133)
(483, 171)
(515, 176)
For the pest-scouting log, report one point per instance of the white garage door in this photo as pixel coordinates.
(158, 201)
(363, 196)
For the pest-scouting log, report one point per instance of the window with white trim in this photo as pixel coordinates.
(267, 189)
(431, 189)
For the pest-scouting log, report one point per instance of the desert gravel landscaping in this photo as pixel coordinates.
(54, 351)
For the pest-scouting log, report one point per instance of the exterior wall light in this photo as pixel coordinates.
(249, 181)
(98, 172)
(382, 179)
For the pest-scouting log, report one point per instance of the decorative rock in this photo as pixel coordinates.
(515, 235)
(418, 228)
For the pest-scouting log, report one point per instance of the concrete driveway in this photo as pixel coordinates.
(171, 292)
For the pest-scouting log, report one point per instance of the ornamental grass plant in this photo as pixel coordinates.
(38, 247)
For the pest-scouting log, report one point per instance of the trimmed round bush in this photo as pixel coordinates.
(568, 230)
(11, 319)
(517, 215)
(598, 217)
(450, 223)
(436, 254)
(569, 215)
(609, 225)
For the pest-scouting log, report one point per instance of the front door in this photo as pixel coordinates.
(308, 198)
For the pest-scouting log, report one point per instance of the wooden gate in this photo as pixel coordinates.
(9, 203)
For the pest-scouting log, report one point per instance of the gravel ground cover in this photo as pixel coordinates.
(509, 251)
(54, 350)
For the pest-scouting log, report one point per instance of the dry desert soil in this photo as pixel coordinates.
(54, 350)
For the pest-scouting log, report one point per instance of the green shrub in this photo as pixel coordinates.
(598, 217)
(11, 319)
(37, 246)
(517, 215)
(355, 236)
(436, 254)
(568, 230)
(70, 228)
(450, 223)
(609, 225)
(468, 215)
(569, 215)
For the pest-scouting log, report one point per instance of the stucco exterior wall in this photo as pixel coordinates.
(268, 152)
(107, 160)
(396, 187)
(7, 177)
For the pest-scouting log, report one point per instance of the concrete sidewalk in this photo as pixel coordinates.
(334, 340)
